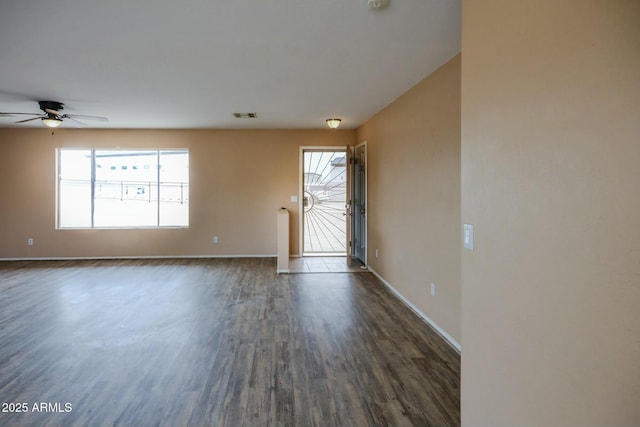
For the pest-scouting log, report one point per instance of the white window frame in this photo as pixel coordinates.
(157, 183)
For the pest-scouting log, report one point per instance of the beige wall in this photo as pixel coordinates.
(414, 195)
(238, 180)
(551, 181)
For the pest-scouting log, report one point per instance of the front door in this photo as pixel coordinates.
(323, 200)
(359, 204)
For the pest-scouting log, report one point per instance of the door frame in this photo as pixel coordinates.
(304, 148)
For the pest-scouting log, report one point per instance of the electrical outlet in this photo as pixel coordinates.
(215, 240)
(30, 241)
(433, 289)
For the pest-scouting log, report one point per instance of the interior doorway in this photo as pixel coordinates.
(324, 201)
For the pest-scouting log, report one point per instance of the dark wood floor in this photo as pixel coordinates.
(221, 342)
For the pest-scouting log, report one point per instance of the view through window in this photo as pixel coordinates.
(123, 188)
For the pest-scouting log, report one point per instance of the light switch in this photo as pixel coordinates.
(468, 236)
(294, 199)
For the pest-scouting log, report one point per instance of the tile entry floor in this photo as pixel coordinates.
(325, 264)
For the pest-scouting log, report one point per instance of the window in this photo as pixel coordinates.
(98, 189)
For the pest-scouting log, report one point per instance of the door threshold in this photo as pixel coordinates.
(325, 264)
(324, 254)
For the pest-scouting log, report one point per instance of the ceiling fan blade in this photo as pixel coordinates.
(71, 116)
(28, 120)
(79, 123)
(52, 111)
(19, 114)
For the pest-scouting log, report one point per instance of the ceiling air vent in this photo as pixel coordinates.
(245, 115)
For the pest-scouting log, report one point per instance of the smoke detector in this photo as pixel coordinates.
(378, 4)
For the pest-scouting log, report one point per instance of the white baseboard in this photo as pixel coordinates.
(137, 257)
(448, 338)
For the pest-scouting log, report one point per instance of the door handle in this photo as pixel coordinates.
(363, 211)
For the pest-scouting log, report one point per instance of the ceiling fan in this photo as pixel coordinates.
(52, 115)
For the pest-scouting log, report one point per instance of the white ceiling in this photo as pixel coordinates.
(192, 63)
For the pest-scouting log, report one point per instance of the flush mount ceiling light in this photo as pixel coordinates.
(333, 123)
(378, 4)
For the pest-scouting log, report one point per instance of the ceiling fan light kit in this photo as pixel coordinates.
(52, 109)
(52, 122)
